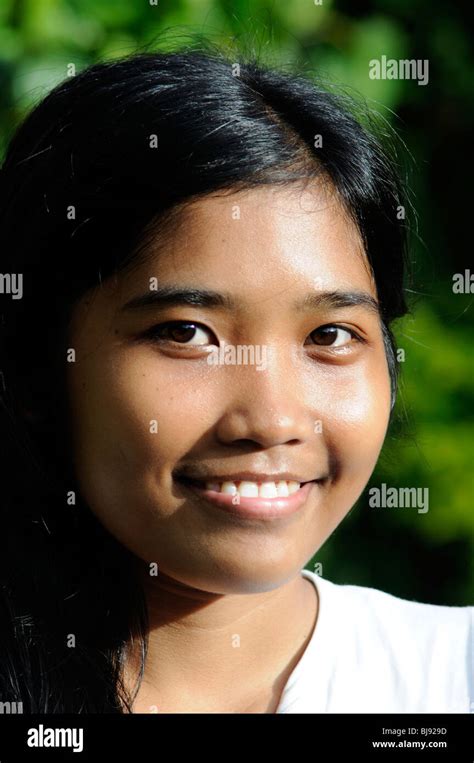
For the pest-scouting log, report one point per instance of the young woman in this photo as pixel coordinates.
(198, 376)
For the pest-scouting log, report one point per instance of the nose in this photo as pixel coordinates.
(270, 406)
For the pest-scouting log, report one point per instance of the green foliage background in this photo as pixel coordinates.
(427, 557)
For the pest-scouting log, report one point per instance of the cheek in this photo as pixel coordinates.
(133, 419)
(358, 411)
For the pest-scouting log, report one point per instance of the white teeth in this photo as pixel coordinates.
(268, 490)
(247, 489)
(228, 487)
(283, 489)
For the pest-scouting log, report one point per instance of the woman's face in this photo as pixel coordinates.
(146, 407)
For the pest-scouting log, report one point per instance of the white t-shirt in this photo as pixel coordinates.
(372, 652)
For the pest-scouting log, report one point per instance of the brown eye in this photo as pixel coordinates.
(181, 332)
(332, 336)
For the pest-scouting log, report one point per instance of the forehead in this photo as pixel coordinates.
(257, 237)
(263, 246)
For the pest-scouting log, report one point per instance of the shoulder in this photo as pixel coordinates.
(373, 608)
(423, 652)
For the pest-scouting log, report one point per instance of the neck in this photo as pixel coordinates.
(198, 642)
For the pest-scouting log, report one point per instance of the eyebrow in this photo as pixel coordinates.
(169, 296)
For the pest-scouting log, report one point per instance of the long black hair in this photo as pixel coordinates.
(100, 164)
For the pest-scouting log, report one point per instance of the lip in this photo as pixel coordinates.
(248, 477)
(254, 508)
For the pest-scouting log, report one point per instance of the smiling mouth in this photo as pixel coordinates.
(248, 488)
(253, 502)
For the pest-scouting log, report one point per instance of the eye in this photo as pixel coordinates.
(333, 336)
(180, 332)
